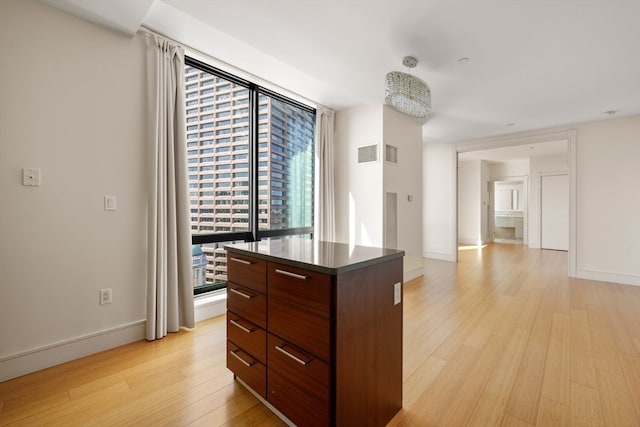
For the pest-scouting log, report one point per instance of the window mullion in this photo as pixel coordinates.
(253, 160)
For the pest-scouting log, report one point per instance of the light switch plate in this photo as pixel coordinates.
(397, 293)
(110, 203)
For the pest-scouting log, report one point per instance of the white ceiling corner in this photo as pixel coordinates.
(122, 15)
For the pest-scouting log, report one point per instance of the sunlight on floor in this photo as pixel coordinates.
(469, 247)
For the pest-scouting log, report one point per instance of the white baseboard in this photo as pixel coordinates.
(412, 274)
(442, 256)
(28, 361)
(412, 268)
(209, 306)
(603, 276)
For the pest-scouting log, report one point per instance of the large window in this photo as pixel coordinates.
(250, 163)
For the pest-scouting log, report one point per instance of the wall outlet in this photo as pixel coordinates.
(105, 296)
(397, 293)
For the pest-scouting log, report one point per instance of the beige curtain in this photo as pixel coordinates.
(326, 210)
(169, 287)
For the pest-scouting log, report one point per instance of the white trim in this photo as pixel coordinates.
(210, 305)
(35, 359)
(515, 140)
(442, 256)
(573, 203)
(453, 257)
(605, 276)
(412, 268)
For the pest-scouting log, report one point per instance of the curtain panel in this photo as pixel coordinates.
(326, 198)
(169, 273)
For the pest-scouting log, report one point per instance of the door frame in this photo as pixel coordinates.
(571, 137)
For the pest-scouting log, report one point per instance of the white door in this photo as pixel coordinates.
(554, 201)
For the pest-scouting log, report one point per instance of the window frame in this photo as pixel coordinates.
(254, 233)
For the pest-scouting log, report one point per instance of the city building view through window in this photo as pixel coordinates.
(250, 155)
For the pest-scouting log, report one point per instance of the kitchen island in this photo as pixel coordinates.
(314, 329)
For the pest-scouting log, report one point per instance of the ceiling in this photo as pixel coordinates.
(532, 64)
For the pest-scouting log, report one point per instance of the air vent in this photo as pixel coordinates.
(390, 153)
(368, 153)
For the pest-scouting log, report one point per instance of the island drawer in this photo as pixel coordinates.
(307, 330)
(298, 383)
(247, 336)
(247, 303)
(247, 271)
(247, 368)
(305, 289)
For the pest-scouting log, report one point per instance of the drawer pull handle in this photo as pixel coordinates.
(244, 362)
(241, 261)
(242, 294)
(247, 330)
(290, 274)
(294, 357)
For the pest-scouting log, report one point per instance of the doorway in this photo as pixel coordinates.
(508, 210)
(534, 149)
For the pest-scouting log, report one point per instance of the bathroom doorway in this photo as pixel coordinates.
(508, 210)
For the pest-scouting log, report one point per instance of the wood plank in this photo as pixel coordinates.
(552, 413)
(585, 406)
(420, 379)
(461, 406)
(525, 396)
(615, 398)
(511, 421)
(490, 408)
(557, 371)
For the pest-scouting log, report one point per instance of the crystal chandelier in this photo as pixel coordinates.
(406, 93)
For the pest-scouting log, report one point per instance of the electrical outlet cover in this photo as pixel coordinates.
(397, 293)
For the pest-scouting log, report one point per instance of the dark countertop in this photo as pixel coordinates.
(316, 255)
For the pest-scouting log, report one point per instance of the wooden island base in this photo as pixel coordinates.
(315, 329)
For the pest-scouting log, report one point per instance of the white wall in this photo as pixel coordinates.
(405, 177)
(72, 105)
(608, 200)
(509, 169)
(469, 201)
(440, 201)
(358, 187)
(540, 166)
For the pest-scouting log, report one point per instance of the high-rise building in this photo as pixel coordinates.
(218, 146)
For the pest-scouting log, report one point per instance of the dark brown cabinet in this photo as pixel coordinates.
(247, 321)
(318, 337)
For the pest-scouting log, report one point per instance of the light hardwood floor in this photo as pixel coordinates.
(501, 338)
